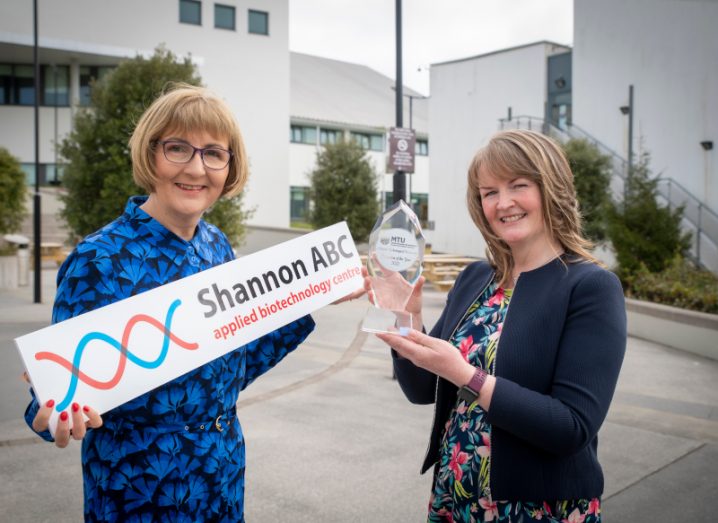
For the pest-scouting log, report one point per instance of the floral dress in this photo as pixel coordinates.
(176, 453)
(461, 490)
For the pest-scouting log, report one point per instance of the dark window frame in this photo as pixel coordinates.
(197, 3)
(12, 86)
(251, 12)
(234, 17)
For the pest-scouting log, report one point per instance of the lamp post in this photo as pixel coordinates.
(628, 110)
(37, 280)
(399, 178)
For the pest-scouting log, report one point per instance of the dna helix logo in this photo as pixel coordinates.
(125, 354)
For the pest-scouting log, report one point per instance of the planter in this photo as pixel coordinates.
(691, 331)
(9, 272)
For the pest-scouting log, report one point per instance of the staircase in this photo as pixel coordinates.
(698, 219)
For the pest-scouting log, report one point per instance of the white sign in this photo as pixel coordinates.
(111, 355)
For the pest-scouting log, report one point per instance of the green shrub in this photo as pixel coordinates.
(680, 284)
(344, 187)
(592, 178)
(642, 231)
(12, 193)
(98, 177)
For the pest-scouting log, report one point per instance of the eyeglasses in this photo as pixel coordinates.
(214, 158)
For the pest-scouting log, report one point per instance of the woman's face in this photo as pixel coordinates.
(183, 191)
(512, 207)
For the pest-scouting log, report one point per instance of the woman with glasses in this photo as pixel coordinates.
(175, 453)
(523, 362)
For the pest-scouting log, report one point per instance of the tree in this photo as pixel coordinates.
(642, 231)
(592, 178)
(344, 187)
(98, 177)
(12, 193)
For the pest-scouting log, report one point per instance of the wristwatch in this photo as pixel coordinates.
(470, 392)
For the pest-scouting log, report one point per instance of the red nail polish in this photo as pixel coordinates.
(75, 407)
(63, 416)
(86, 408)
(50, 403)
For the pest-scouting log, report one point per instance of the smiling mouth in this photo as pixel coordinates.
(513, 218)
(186, 187)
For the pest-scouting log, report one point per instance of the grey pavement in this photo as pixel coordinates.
(330, 437)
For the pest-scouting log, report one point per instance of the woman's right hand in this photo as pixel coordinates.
(63, 433)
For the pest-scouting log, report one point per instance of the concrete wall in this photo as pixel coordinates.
(250, 71)
(668, 49)
(467, 99)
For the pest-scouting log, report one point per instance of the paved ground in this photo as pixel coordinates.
(331, 439)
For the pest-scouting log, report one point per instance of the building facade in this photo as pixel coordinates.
(333, 100)
(240, 47)
(468, 97)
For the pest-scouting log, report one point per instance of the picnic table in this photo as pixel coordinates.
(51, 251)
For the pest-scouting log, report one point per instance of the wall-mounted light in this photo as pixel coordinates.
(707, 145)
(560, 82)
(624, 109)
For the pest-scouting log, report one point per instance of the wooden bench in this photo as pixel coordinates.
(53, 252)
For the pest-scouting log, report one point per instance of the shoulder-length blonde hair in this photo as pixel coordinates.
(514, 153)
(186, 108)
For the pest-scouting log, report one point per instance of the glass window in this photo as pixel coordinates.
(374, 142)
(258, 22)
(421, 148)
(24, 85)
(299, 203)
(303, 134)
(191, 12)
(56, 85)
(5, 84)
(329, 136)
(362, 139)
(87, 75)
(224, 16)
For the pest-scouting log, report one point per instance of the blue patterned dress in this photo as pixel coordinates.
(177, 452)
(462, 490)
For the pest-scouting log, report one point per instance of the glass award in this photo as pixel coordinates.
(394, 263)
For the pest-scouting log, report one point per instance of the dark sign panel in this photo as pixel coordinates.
(401, 150)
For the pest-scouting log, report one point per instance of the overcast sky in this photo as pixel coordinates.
(364, 31)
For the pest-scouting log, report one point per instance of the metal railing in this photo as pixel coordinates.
(698, 219)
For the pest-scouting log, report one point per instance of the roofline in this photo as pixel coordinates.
(490, 53)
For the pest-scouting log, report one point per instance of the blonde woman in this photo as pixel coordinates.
(175, 453)
(523, 362)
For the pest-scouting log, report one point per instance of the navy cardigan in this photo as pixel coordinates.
(559, 355)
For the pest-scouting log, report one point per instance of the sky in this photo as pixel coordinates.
(364, 31)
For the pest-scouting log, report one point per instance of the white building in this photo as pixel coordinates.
(332, 100)
(468, 97)
(240, 47)
(666, 49)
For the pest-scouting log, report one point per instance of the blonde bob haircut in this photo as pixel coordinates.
(514, 153)
(185, 108)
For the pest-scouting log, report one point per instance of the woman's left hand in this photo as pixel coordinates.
(433, 354)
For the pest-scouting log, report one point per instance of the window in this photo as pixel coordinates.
(419, 204)
(258, 22)
(298, 203)
(421, 148)
(17, 85)
(89, 73)
(50, 173)
(373, 142)
(329, 136)
(191, 12)
(303, 134)
(56, 85)
(24, 89)
(224, 17)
